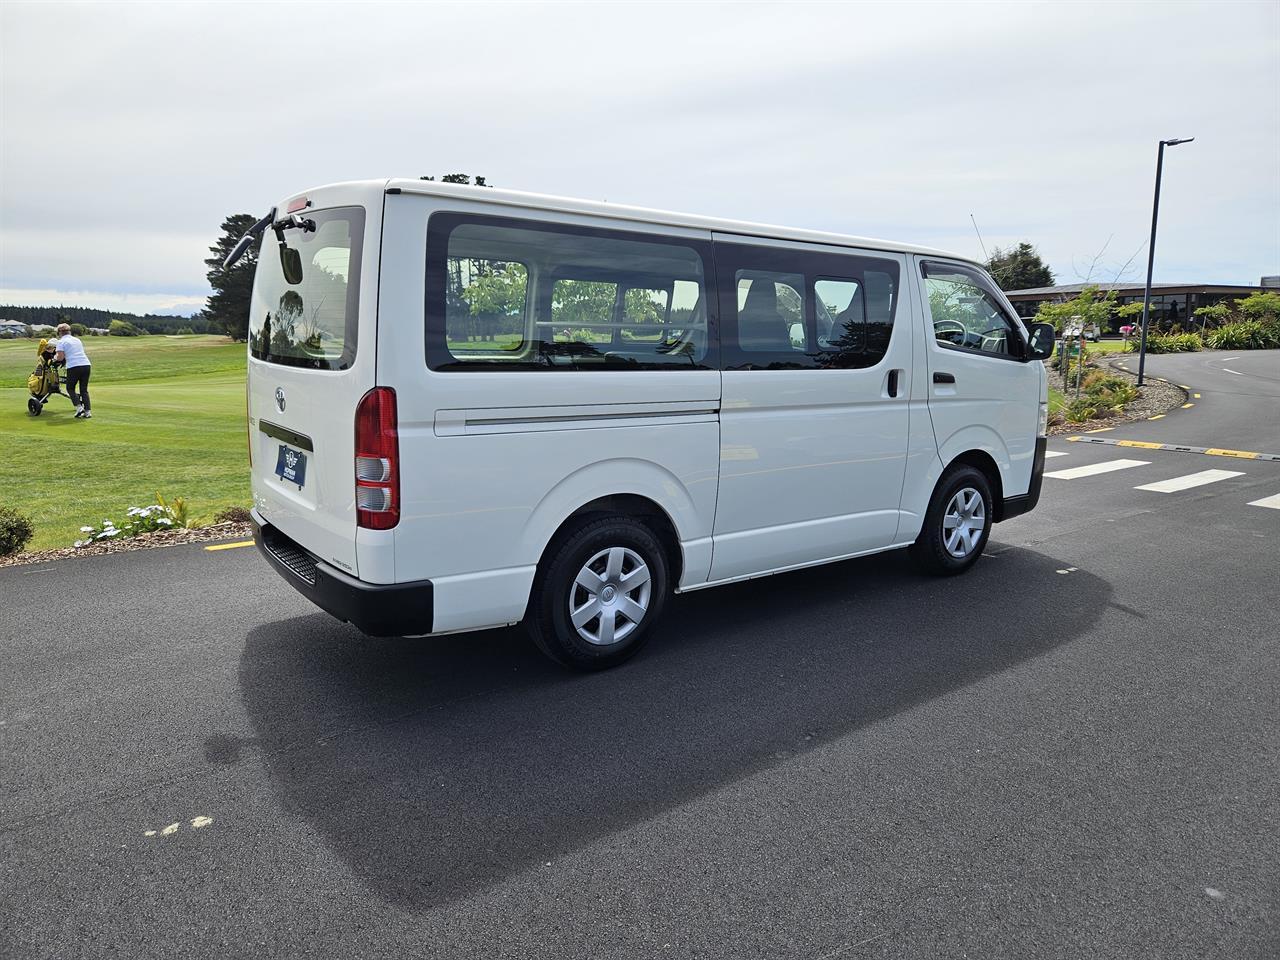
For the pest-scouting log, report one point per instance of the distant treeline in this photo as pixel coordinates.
(90, 317)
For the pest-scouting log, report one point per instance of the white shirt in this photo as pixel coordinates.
(73, 351)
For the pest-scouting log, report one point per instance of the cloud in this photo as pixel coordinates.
(880, 120)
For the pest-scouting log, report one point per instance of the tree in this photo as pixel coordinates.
(227, 310)
(459, 178)
(1090, 306)
(1019, 268)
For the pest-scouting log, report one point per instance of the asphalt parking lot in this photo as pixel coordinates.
(1072, 751)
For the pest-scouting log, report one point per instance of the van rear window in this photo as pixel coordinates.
(307, 314)
(509, 294)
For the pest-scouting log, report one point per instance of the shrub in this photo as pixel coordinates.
(1245, 335)
(159, 516)
(1080, 410)
(16, 531)
(123, 328)
(232, 515)
(1168, 343)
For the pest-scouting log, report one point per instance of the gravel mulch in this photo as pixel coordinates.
(1158, 396)
(161, 538)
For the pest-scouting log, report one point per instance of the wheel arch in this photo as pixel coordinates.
(985, 464)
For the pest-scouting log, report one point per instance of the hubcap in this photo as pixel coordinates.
(963, 522)
(609, 596)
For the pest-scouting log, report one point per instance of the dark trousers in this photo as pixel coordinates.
(78, 377)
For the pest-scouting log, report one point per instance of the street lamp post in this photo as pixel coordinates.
(1151, 255)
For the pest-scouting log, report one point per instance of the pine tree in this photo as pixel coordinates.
(228, 308)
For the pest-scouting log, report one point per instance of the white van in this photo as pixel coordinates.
(471, 408)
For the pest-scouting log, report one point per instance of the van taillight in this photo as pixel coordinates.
(377, 461)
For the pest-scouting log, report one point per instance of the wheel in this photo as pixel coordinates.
(34, 407)
(957, 523)
(599, 593)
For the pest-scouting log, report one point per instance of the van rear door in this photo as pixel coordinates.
(312, 356)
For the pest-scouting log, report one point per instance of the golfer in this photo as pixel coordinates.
(71, 354)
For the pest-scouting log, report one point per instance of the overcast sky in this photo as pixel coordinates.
(131, 130)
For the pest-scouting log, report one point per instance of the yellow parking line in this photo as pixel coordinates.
(1241, 454)
(1139, 443)
(230, 546)
(1158, 416)
(1196, 395)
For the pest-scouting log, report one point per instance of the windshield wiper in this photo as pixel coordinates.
(247, 240)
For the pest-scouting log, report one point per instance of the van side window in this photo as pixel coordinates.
(507, 294)
(968, 316)
(791, 309)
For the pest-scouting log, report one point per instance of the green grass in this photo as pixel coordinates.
(129, 359)
(168, 417)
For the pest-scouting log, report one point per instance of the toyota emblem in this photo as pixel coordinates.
(280, 398)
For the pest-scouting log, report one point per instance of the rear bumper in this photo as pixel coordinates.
(378, 609)
(1016, 506)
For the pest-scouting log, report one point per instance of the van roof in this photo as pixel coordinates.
(538, 201)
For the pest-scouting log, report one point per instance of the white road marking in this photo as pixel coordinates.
(1229, 370)
(1190, 480)
(199, 822)
(1272, 502)
(1075, 473)
(170, 829)
(1055, 453)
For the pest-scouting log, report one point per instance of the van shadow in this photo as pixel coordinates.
(434, 767)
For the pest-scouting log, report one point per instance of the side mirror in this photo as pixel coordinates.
(1040, 340)
(291, 264)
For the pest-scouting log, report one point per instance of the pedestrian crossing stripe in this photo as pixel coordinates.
(1180, 448)
(1272, 502)
(1093, 469)
(1190, 481)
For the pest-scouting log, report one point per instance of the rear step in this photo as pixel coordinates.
(292, 556)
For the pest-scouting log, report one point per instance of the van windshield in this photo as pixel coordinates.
(312, 322)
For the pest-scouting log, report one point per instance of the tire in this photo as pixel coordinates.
(936, 550)
(34, 407)
(614, 549)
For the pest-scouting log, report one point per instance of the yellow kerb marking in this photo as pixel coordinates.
(1158, 416)
(1241, 454)
(230, 546)
(1140, 443)
(1196, 395)
(1187, 406)
(1100, 430)
(1184, 386)
(1074, 439)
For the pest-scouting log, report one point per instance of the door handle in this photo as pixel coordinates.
(944, 378)
(893, 383)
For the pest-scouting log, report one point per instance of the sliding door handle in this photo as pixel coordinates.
(893, 383)
(944, 378)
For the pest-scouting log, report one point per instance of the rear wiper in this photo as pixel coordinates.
(247, 240)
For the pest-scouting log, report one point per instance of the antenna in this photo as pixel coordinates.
(979, 233)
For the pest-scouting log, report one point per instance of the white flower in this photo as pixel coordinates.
(165, 521)
(86, 529)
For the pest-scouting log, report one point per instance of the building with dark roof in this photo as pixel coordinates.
(1171, 303)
